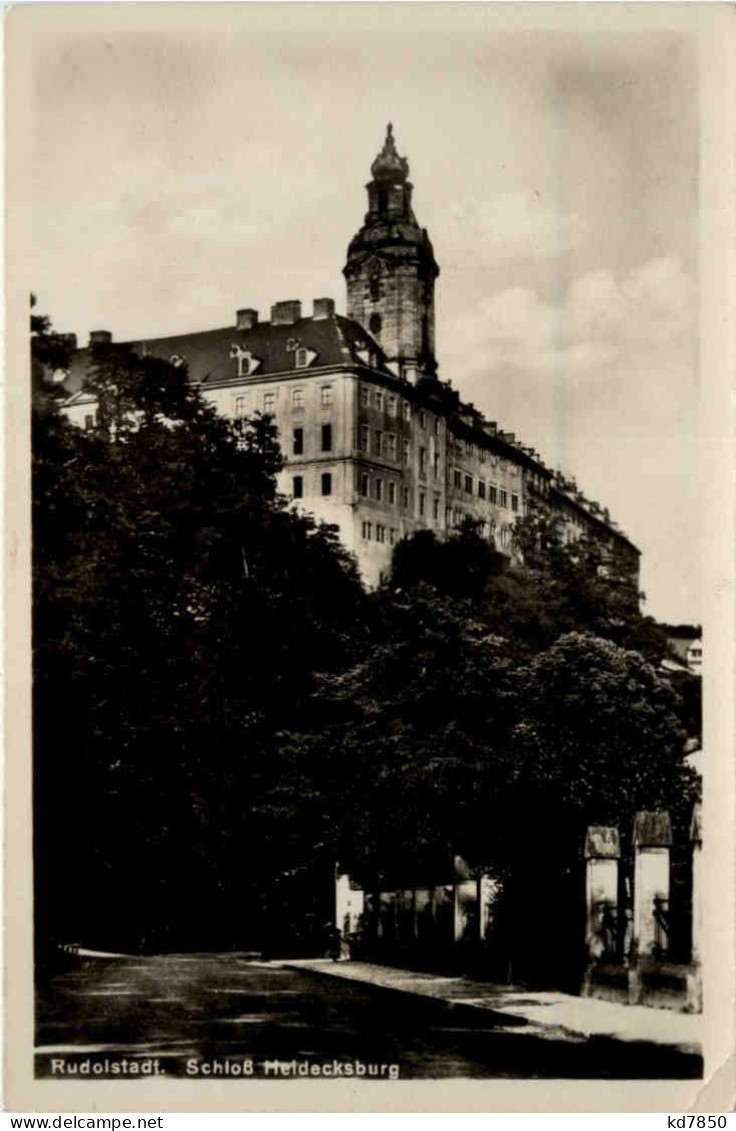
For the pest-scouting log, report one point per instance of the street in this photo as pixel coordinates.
(206, 1015)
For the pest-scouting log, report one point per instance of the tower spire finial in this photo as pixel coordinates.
(388, 164)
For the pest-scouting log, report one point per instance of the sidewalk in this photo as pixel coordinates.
(546, 1012)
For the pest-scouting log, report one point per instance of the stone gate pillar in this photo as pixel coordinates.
(488, 892)
(696, 843)
(694, 980)
(602, 855)
(652, 843)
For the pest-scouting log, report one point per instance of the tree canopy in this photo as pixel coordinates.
(180, 612)
(221, 713)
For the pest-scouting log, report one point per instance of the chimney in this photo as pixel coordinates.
(70, 340)
(286, 313)
(323, 308)
(100, 337)
(246, 319)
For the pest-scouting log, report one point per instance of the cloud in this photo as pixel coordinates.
(599, 321)
(512, 226)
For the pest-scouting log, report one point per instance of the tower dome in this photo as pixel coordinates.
(388, 165)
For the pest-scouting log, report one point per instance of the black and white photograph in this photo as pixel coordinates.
(368, 519)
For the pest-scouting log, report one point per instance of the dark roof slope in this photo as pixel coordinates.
(334, 339)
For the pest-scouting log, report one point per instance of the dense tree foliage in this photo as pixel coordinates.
(179, 613)
(221, 713)
(486, 719)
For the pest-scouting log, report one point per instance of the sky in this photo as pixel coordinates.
(215, 159)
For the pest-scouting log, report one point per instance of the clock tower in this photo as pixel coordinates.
(391, 270)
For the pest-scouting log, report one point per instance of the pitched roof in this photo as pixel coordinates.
(210, 356)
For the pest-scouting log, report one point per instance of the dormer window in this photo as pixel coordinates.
(301, 358)
(247, 363)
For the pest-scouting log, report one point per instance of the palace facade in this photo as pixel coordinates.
(373, 440)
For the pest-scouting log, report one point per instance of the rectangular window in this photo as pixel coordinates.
(514, 502)
(392, 494)
(436, 508)
(378, 441)
(436, 462)
(326, 483)
(269, 402)
(297, 398)
(407, 411)
(405, 498)
(89, 423)
(364, 438)
(379, 400)
(365, 395)
(469, 484)
(380, 533)
(482, 455)
(405, 451)
(503, 499)
(391, 445)
(297, 488)
(493, 494)
(481, 489)
(422, 501)
(326, 439)
(297, 444)
(326, 395)
(364, 485)
(392, 540)
(437, 426)
(422, 461)
(422, 419)
(241, 404)
(367, 531)
(448, 516)
(457, 478)
(391, 402)
(379, 490)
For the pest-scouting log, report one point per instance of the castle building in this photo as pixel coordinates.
(373, 440)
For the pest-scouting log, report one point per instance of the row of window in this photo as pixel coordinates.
(384, 402)
(297, 485)
(469, 448)
(389, 402)
(373, 487)
(249, 365)
(498, 496)
(245, 403)
(380, 533)
(297, 440)
(385, 444)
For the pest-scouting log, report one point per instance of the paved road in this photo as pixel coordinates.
(211, 1015)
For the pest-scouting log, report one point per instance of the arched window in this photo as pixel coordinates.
(374, 324)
